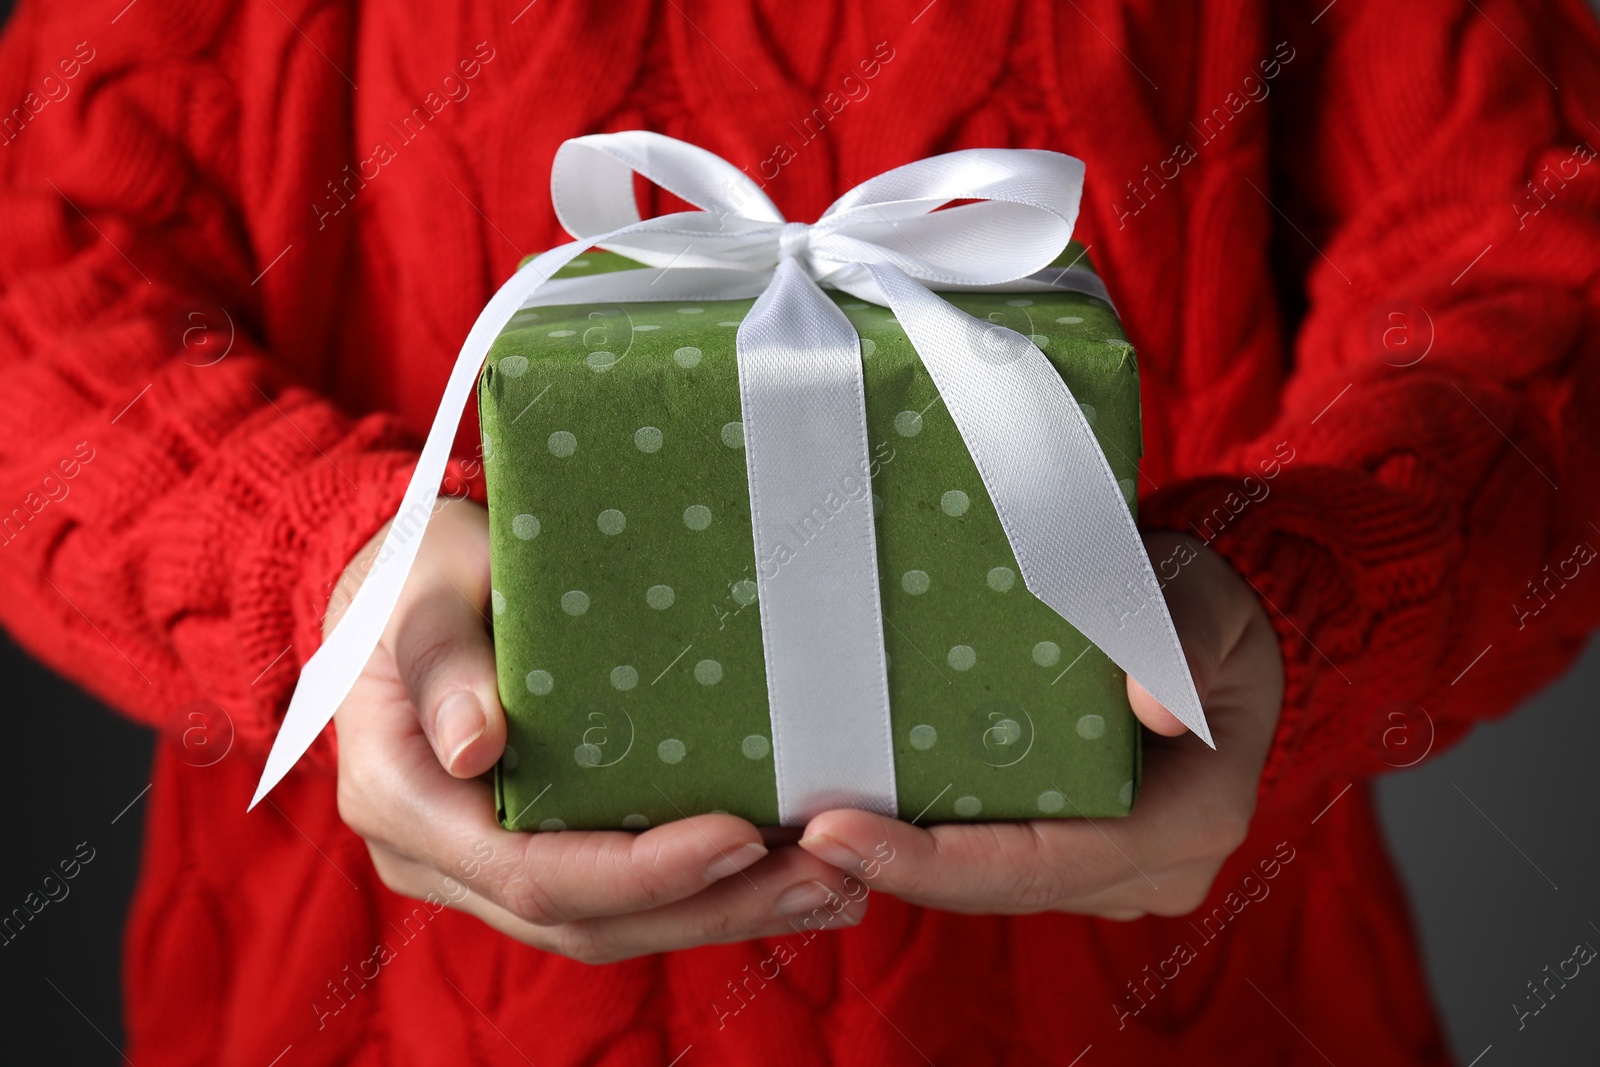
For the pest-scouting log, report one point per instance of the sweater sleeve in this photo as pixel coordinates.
(173, 509)
(1427, 550)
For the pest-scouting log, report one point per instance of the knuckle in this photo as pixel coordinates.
(584, 943)
(1177, 900)
(390, 881)
(1183, 895)
(525, 884)
(557, 882)
(1036, 889)
(719, 926)
(351, 801)
(526, 897)
(389, 873)
(1040, 881)
(1234, 833)
(425, 657)
(653, 886)
(1230, 827)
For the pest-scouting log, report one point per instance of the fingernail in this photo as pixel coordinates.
(829, 850)
(460, 722)
(802, 899)
(735, 861)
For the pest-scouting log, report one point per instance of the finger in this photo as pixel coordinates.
(393, 791)
(1008, 868)
(568, 876)
(446, 660)
(1176, 891)
(411, 878)
(1247, 700)
(790, 892)
(1200, 604)
(552, 878)
(1151, 712)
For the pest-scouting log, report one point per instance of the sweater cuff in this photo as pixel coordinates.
(325, 515)
(1283, 536)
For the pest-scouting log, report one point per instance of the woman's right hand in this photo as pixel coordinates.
(423, 721)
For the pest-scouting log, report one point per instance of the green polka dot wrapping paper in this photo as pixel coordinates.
(625, 598)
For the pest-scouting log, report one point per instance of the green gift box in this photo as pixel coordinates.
(626, 623)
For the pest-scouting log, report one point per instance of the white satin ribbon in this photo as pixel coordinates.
(801, 394)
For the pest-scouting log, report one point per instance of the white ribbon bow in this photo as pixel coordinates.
(801, 392)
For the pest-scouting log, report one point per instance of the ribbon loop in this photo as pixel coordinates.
(591, 181)
(802, 403)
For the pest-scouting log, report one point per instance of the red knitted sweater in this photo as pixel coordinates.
(1357, 245)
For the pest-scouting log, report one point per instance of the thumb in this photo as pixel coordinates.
(1151, 712)
(1197, 597)
(446, 662)
(439, 638)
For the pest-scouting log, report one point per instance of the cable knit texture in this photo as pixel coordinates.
(1369, 355)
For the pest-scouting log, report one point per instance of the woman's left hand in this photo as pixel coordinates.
(1192, 813)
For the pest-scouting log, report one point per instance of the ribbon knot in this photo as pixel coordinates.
(794, 241)
(803, 410)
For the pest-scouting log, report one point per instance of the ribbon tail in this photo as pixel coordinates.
(330, 673)
(803, 402)
(1074, 537)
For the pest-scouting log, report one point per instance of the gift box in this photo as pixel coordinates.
(626, 599)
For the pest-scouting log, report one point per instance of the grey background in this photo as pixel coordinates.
(1494, 839)
(1505, 888)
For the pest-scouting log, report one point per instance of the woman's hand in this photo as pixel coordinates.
(1193, 812)
(424, 720)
